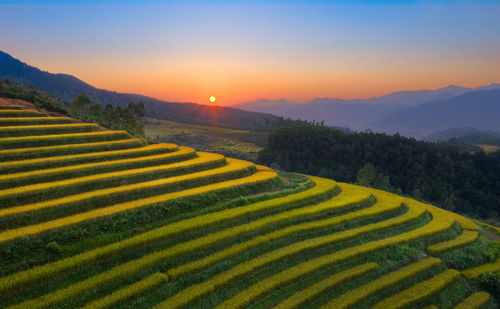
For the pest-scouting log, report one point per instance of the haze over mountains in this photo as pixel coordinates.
(410, 113)
(68, 87)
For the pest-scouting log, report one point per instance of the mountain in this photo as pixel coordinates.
(277, 107)
(68, 87)
(477, 109)
(357, 114)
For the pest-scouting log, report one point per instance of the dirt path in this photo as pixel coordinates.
(17, 102)
(491, 232)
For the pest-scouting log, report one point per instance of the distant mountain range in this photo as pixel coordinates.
(68, 87)
(410, 113)
(477, 109)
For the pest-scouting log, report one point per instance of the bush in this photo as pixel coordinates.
(491, 282)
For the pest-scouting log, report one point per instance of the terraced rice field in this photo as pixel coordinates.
(99, 219)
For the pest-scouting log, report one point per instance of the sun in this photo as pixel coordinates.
(212, 99)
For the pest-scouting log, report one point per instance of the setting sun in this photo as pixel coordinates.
(212, 99)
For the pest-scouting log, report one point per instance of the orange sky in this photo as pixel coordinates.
(239, 80)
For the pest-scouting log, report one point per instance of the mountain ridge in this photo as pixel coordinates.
(362, 114)
(68, 87)
(477, 109)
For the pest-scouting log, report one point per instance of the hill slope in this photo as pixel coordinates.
(358, 114)
(478, 109)
(68, 87)
(97, 219)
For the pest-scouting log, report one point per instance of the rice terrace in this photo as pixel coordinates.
(220, 154)
(94, 218)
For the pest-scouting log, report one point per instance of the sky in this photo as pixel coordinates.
(297, 50)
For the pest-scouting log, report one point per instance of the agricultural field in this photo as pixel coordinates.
(488, 148)
(100, 219)
(240, 144)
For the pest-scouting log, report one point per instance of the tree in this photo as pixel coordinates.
(450, 202)
(382, 182)
(366, 175)
(79, 106)
(417, 194)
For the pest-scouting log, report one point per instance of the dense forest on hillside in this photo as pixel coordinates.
(435, 172)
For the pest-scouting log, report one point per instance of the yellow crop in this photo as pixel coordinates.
(35, 120)
(466, 223)
(247, 296)
(262, 167)
(128, 292)
(323, 186)
(20, 113)
(184, 152)
(298, 271)
(60, 296)
(488, 226)
(354, 296)
(439, 224)
(63, 137)
(300, 298)
(419, 292)
(45, 127)
(73, 290)
(234, 166)
(62, 148)
(102, 155)
(278, 254)
(475, 272)
(348, 197)
(474, 301)
(203, 159)
(467, 237)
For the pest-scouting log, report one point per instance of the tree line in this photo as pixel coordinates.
(436, 172)
(127, 118)
(114, 117)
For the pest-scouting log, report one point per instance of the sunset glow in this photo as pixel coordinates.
(212, 99)
(246, 52)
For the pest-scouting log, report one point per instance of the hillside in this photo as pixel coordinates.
(460, 181)
(358, 114)
(477, 109)
(468, 139)
(241, 144)
(68, 87)
(92, 218)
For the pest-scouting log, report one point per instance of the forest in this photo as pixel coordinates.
(439, 173)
